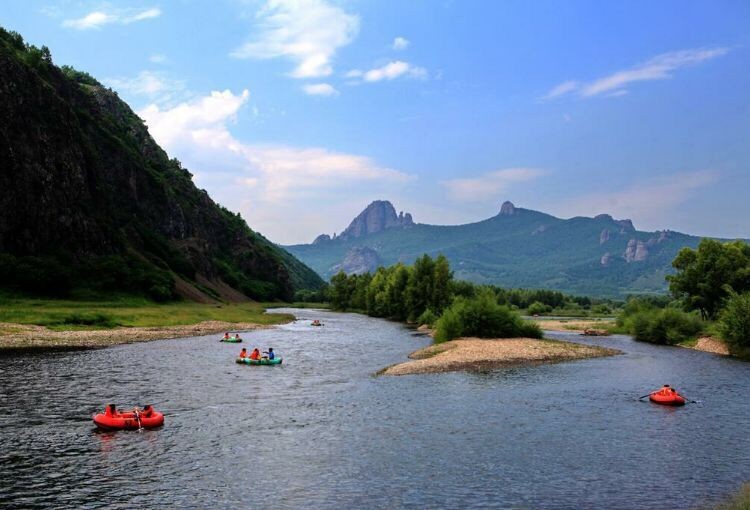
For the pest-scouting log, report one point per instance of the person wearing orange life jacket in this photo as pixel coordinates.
(147, 411)
(110, 411)
(665, 390)
(243, 353)
(226, 335)
(255, 354)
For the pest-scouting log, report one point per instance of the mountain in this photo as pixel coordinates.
(90, 203)
(518, 247)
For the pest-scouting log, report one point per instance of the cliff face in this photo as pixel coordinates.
(86, 187)
(378, 216)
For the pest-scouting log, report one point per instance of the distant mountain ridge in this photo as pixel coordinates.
(90, 201)
(599, 256)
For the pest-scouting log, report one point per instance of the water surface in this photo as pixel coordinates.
(321, 431)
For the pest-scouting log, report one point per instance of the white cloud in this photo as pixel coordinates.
(98, 19)
(488, 186)
(308, 32)
(156, 86)
(644, 202)
(271, 184)
(390, 71)
(157, 58)
(399, 43)
(661, 67)
(320, 89)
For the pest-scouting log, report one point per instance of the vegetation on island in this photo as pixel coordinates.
(426, 293)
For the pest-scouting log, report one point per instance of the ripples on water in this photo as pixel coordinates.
(321, 432)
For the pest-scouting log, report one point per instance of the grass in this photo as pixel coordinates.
(740, 501)
(297, 304)
(126, 311)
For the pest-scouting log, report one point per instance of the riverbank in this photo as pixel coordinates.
(15, 337)
(474, 354)
(574, 325)
(60, 324)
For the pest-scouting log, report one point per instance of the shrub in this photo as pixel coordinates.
(427, 317)
(482, 317)
(537, 308)
(90, 319)
(734, 321)
(667, 326)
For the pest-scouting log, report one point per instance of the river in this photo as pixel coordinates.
(321, 431)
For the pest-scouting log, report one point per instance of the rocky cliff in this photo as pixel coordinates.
(91, 201)
(378, 216)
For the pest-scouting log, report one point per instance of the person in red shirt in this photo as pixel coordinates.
(243, 353)
(255, 354)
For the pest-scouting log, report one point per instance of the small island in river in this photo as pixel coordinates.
(475, 354)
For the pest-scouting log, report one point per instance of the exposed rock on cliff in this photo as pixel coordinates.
(604, 236)
(508, 209)
(359, 260)
(378, 216)
(636, 251)
(606, 259)
(322, 238)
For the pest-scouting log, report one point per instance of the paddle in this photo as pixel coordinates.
(138, 419)
(644, 396)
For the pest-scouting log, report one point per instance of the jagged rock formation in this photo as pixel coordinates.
(604, 236)
(606, 259)
(90, 201)
(322, 238)
(359, 260)
(635, 251)
(507, 209)
(378, 216)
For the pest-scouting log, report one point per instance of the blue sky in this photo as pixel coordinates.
(298, 113)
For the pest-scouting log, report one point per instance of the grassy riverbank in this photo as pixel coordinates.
(39, 323)
(476, 354)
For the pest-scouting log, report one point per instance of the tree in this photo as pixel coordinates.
(420, 286)
(705, 277)
(734, 321)
(441, 286)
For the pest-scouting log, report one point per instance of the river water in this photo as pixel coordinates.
(320, 431)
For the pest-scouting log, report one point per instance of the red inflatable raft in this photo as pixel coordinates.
(130, 420)
(667, 398)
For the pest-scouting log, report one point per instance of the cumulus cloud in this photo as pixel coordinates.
(97, 19)
(271, 184)
(661, 67)
(320, 89)
(308, 32)
(389, 71)
(488, 186)
(400, 43)
(157, 58)
(645, 202)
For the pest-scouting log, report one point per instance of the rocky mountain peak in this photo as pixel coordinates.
(508, 209)
(378, 216)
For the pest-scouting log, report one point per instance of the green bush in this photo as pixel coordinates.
(734, 321)
(482, 317)
(537, 308)
(666, 326)
(90, 319)
(428, 317)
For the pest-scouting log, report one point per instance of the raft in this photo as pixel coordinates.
(248, 361)
(231, 340)
(313, 324)
(674, 399)
(128, 421)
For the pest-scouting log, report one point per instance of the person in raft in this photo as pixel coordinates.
(243, 353)
(255, 354)
(270, 353)
(110, 410)
(237, 336)
(147, 411)
(666, 390)
(226, 335)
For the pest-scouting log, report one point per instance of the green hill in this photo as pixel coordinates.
(518, 247)
(91, 205)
